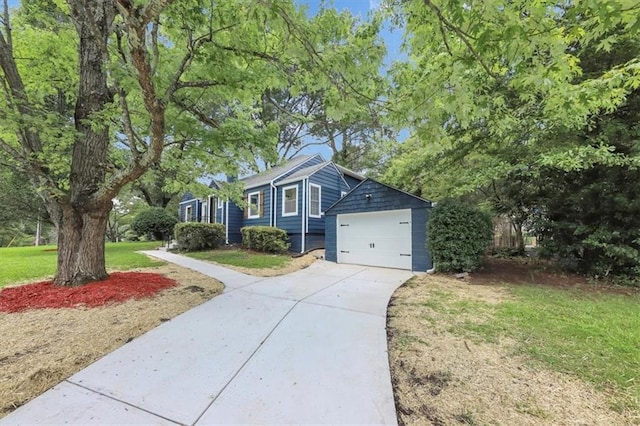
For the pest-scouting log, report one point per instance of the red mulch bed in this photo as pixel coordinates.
(119, 287)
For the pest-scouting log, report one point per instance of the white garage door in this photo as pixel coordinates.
(375, 239)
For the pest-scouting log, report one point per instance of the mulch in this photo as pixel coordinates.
(119, 287)
(531, 271)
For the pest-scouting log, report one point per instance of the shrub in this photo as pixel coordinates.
(155, 222)
(192, 236)
(458, 235)
(265, 239)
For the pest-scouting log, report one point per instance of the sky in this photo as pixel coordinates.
(361, 8)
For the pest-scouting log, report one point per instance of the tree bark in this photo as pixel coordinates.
(82, 218)
(81, 246)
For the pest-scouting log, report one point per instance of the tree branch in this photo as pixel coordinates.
(462, 35)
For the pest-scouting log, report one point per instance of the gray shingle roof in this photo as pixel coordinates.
(267, 176)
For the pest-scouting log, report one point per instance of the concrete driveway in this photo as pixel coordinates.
(308, 347)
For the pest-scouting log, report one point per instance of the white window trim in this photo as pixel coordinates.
(319, 215)
(188, 213)
(204, 211)
(220, 202)
(284, 190)
(249, 215)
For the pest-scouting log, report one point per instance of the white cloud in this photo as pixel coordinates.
(375, 4)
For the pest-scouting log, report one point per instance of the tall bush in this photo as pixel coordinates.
(265, 238)
(193, 236)
(155, 222)
(458, 235)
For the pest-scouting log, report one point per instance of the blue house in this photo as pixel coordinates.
(292, 196)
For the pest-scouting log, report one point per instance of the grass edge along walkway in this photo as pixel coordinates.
(30, 264)
(242, 258)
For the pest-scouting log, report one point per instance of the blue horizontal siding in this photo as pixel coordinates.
(382, 198)
(265, 194)
(291, 224)
(330, 239)
(331, 184)
(195, 210)
(351, 181)
(420, 256)
(235, 223)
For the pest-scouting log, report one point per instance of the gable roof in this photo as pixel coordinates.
(304, 173)
(350, 172)
(215, 184)
(367, 186)
(273, 173)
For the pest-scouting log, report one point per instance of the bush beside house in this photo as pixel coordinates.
(458, 235)
(193, 236)
(155, 222)
(265, 238)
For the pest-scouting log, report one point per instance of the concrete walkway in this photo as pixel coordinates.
(308, 347)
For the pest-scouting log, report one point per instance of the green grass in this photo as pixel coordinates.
(243, 258)
(596, 337)
(593, 336)
(20, 264)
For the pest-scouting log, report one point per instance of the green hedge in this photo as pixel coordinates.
(265, 239)
(155, 223)
(458, 235)
(193, 236)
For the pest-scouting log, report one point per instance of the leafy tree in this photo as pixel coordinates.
(530, 106)
(125, 208)
(93, 99)
(20, 209)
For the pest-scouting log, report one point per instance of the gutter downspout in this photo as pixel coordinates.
(304, 214)
(432, 270)
(226, 223)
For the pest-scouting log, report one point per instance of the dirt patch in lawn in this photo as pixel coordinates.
(442, 378)
(42, 347)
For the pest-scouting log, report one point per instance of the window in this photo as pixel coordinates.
(188, 214)
(254, 205)
(290, 201)
(314, 200)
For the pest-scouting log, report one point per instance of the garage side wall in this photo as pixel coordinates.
(421, 258)
(331, 238)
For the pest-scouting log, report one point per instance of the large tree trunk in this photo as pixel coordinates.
(82, 220)
(81, 246)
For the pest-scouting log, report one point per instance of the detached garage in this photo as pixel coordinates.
(378, 225)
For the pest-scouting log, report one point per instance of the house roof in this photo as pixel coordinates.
(273, 173)
(304, 173)
(215, 184)
(368, 182)
(349, 172)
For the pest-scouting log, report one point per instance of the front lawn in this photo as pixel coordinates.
(550, 354)
(243, 258)
(20, 264)
(594, 336)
